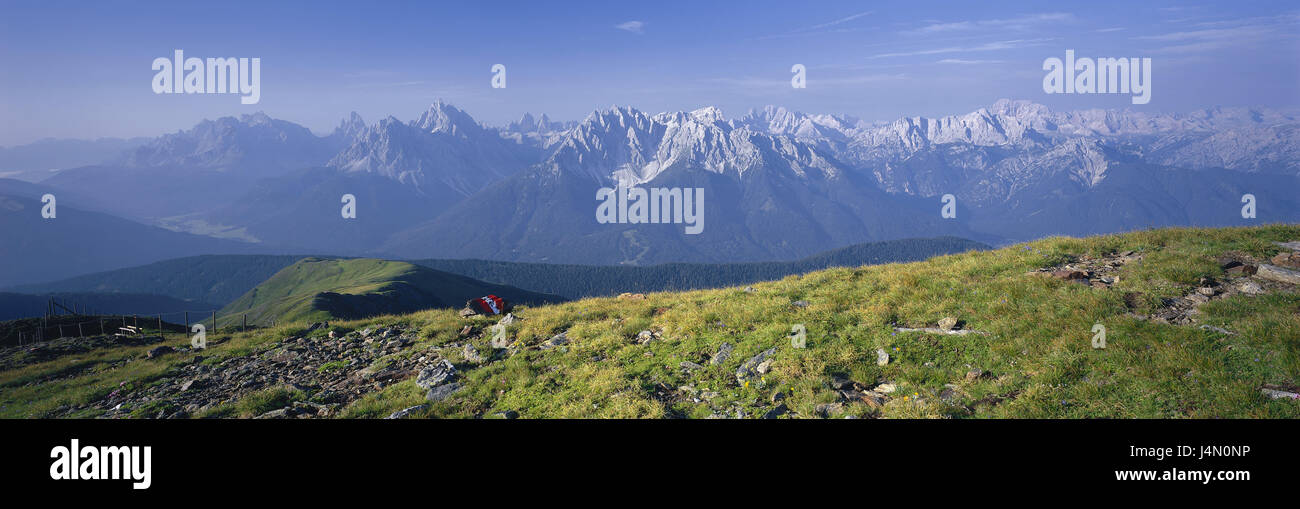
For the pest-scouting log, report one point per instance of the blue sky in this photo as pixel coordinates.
(83, 69)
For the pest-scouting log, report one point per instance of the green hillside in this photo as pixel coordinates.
(220, 279)
(577, 281)
(1191, 331)
(316, 289)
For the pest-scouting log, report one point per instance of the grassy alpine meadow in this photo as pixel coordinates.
(1031, 350)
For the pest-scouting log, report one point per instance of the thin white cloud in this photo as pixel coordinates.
(838, 21)
(991, 46)
(968, 62)
(829, 27)
(1016, 23)
(636, 27)
(1236, 33)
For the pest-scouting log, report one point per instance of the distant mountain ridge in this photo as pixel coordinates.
(779, 184)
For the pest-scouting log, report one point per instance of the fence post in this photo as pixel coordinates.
(60, 330)
(214, 321)
(80, 334)
(245, 327)
(160, 329)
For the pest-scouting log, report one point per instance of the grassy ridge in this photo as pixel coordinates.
(327, 288)
(1035, 361)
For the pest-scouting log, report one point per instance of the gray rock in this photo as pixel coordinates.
(776, 412)
(724, 353)
(828, 409)
(1294, 245)
(690, 366)
(401, 414)
(750, 367)
(644, 337)
(1250, 288)
(1279, 274)
(282, 413)
(471, 354)
(1276, 394)
(556, 340)
(799, 303)
(882, 358)
(948, 323)
(159, 351)
(508, 415)
(435, 375)
(441, 392)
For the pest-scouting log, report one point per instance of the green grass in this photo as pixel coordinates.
(1037, 359)
(319, 289)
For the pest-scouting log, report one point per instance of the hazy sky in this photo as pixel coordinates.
(83, 69)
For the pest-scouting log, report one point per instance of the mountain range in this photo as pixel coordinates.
(778, 184)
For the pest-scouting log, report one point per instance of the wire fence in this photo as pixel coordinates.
(68, 320)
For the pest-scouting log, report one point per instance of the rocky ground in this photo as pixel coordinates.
(329, 368)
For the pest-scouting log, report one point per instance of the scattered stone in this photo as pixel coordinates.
(764, 367)
(750, 289)
(690, 366)
(466, 330)
(1287, 260)
(557, 340)
(724, 353)
(948, 323)
(1069, 274)
(508, 415)
(317, 325)
(401, 414)
(1236, 268)
(828, 409)
(631, 296)
(188, 383)
(441, 392)
(974, 374)
(471, 354)
(750, 367)
(777, 396)
(282, 413)
(1278, 274)
(467, 312)
(1206, 291)
(1279, 394)
(508, 320)
(885, 388)
(644, 337)
(840, 383)
(882, 358)
(935, 330)
(1218, 330)
(159, 351)
(799, 303)
(776, 412)
(1250, 288)
(442, 371)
